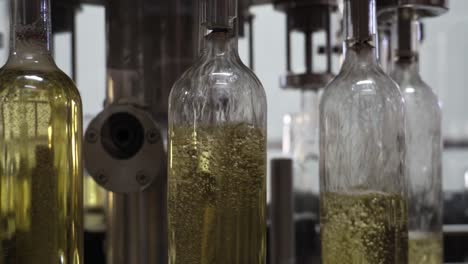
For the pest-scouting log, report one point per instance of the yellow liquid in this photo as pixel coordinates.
(363, 228)
(40, 168)
(425, 249)
(217, 195)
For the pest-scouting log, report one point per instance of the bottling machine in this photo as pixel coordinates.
(149, 45)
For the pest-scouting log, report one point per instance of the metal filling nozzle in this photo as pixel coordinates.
(361, 20)
(219, 14)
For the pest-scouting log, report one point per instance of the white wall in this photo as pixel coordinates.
(444, 66)
(91, 74)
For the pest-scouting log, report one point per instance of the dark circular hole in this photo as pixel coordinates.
(122, 135)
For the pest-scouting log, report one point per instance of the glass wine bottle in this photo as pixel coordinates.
(362, 154)
(217, 153)
(423, 138)
(40, 139)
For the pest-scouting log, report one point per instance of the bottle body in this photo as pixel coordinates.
(362, 152)
(424, 159)
(217, 161)
(41, 169)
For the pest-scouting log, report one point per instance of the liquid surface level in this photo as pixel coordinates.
(216, 197)
(363, 228)
(40, 168)
(425, 249)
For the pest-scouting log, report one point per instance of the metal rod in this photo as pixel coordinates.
(74, 50)
(328, 36)
(288, 44)
(282, 209)
(251, 42)
(143, 63)
(360, 16)
(308, 51)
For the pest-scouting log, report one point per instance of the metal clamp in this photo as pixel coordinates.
(307, 81)
(307, 17)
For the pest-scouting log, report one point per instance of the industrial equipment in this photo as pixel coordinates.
(151, 43)
(300, 132)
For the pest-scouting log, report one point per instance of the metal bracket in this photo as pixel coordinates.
(121, 147)
(386, 9)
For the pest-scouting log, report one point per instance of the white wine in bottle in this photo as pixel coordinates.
(40, 142)
(363, 227)
(217, 152)
(217, 202)
(363, 192)
(424, 248)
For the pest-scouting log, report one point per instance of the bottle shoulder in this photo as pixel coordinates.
(421, 103)
(218, 92)
(217, 77)
(37, 83)
(416, 89)
(362, 83)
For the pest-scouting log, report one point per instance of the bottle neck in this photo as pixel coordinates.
(30, 32)
(409, 36)
(407, 51)
(360, 27)
(360, 54)
(406, 69)
(385, 46)
(410, 64)
(220, 43)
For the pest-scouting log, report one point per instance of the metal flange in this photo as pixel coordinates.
(122, 147)
(287, 4)
(386, 9)
(310, 81)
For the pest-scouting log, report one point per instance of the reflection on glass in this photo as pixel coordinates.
(40, 139)
(363, 214)
(423, 139)
(217, 154)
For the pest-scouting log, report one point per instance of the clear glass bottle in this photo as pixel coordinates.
(362, 154)
(217, 153)
(40, 137)
(423, 139)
